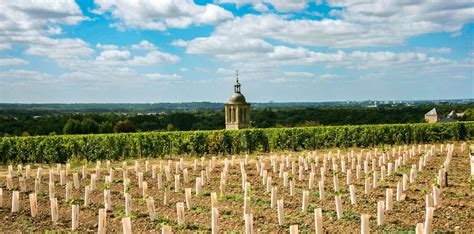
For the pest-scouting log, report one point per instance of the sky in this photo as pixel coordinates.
(150, 51)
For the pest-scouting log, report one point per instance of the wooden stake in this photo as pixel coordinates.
(336, 183)
(281, 214)
(399, 191)
(364, 224)
(318, 221)
(248, 223)
(375, 183)
(74, 217)
(33, 205)
(144, 188)
(159, 181)
(321, 190)
(166, 195)
(292, 187)
(429, 200)
(1, 197)
(305, 201)
(102, 229)
(269, 184)
(419, 228)
(213, 200)
(389, 199)
(167, 229)
(380, 213)
(198, 185)
(128, 204)
(246, 206)
(294, 229)
(15, 201)
(68, 191)
(353, 194)
(273, 198)
(54, 210)
(367, 186)
(176, 183)
(338, 206)
(428, 220)
(107, 200)
(87, 192)
(187, 197)
(150, 204)
(126, 225)
(180, 212)
(214, 221)
(51, 190)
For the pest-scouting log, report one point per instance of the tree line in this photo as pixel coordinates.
(28, 122)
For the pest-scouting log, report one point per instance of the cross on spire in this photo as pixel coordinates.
(237, 84)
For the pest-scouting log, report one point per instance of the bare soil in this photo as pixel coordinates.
(455, 214)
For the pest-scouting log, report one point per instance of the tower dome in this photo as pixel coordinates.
(237, 97)
(237, 110)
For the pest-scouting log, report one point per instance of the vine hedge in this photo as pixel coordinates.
(49, 149)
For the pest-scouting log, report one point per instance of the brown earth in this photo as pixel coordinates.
(455, 213)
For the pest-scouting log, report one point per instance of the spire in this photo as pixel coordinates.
(237, 84)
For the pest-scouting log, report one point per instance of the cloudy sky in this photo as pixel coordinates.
(285, 50)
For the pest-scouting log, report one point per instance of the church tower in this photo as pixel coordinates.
(237, 110)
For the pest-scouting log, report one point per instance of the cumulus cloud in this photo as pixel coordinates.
(17, 75)
(160, 15)
(31, 21)
(360, 24)
(111, 56)
(12, 61)
(279, 5)
(144, 45)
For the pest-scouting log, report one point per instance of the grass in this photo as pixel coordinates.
(197, 210)
(234, 197)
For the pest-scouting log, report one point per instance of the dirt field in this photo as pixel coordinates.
(456, 212)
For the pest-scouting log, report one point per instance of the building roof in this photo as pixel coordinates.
(237, 98)
(453, 114)
(432, 112)
(446, 120)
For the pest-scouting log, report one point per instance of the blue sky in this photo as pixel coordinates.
(285, 50)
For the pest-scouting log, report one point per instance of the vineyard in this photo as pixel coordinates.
(420, 188)
(92, 147)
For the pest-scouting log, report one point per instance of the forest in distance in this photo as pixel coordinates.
(56, 119)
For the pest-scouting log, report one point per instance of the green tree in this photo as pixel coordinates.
(468, 115)
(125, 126)
(72, 127)
(106, 127)
(88, 125)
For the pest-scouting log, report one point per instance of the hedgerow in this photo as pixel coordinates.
(60, 148)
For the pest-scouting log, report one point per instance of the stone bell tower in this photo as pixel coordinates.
(237, 110)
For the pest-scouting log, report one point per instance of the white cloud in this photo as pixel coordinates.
(260, 7)
(163, 14)
(113, 56)
(226, 47)
(60, 49)
(360, 23)
(12, 61)
(17, 75)
(442, 50)
(279, 5)
(259, 52)
(31, 21)
(144, 45)
(106, 46)
(154, 58)
(163, 77)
